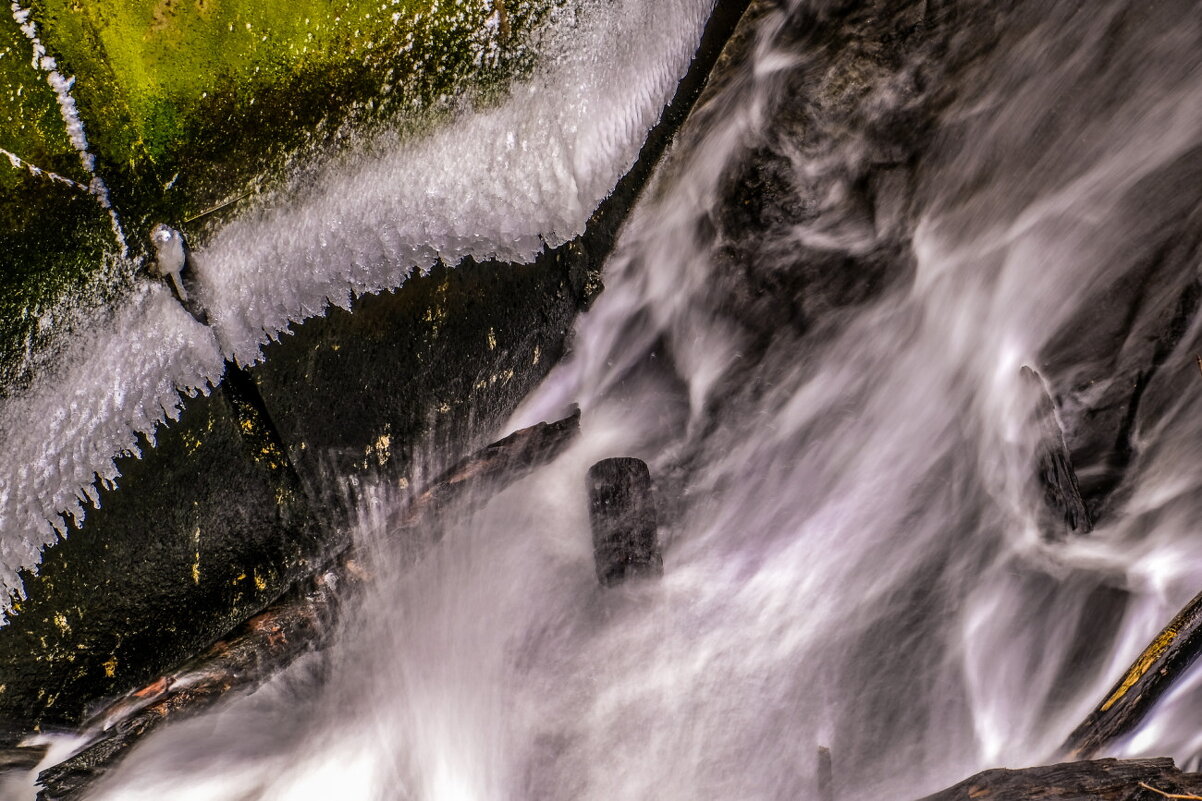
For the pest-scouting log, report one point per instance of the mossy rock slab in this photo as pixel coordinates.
(119, 114)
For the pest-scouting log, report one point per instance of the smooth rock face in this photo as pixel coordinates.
(622, 511)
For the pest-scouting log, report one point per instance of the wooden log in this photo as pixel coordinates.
(1150, 676)
(299, 621)
(1105, 779)
(1054, 467)
(622, 513)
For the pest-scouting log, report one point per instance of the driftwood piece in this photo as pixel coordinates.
(622, 514)
(1054, 467)
(1152, 673)
(1103, 779)
(298, 622)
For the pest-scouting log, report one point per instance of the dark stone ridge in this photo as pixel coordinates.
(622, 512)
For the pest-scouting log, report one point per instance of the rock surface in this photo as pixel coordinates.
(196, 540)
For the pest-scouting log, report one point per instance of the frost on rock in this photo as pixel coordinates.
(501, 182)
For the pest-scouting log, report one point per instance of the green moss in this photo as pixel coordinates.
(30, 124)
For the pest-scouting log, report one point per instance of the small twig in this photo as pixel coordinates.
(1199, 358)
(219, 206)
(1179, 796)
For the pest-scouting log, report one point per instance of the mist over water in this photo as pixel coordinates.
(856, 553)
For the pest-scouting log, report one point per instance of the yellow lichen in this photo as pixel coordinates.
(196, 561)
(1142, 665)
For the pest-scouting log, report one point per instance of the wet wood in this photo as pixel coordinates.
(1163, 662)
(298, 622)
(1104, 779)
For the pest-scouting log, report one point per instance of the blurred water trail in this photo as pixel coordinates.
(855, 551)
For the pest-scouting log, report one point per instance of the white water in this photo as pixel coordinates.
(497, 182)
(852, 548)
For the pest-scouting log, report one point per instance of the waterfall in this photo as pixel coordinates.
(813, 330)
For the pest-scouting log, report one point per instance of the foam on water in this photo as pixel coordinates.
(502, 181)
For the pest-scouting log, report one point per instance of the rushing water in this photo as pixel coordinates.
(855, 552)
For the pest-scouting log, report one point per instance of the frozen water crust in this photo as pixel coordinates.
(498, 182)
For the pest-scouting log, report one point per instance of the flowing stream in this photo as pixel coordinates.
(855, 553)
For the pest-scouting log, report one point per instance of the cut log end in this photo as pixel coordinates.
(622, 513)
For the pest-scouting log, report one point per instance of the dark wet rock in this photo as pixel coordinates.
(1136, 326)
(817, 214)
(204, 530)
(1054, 467)
(1124, 358)
(622, 512)
(815, 218)
(297, 622)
